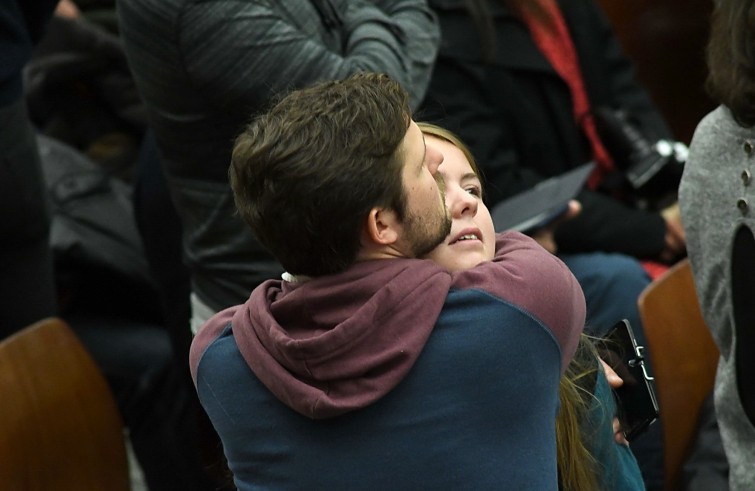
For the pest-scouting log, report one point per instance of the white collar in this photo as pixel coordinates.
(295, 278)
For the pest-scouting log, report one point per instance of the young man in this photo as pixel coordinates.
(366, 368)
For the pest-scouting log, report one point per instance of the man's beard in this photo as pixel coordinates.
(423, 234)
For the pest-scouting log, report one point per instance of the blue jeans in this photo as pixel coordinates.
(612, 284)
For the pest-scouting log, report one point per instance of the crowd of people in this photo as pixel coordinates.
(305, 286)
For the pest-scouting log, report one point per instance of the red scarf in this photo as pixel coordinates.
(550, 34)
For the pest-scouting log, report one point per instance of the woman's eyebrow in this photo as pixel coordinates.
(470, 176)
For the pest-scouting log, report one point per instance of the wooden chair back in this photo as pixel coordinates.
(685, 359)
(60, 427)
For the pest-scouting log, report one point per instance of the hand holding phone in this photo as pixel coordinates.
(636, 400)
(614, 381)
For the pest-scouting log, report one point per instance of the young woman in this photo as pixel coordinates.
(592, 453)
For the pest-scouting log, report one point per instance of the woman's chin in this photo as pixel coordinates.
(468, 260)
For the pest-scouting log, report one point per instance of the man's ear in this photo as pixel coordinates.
(381, 227)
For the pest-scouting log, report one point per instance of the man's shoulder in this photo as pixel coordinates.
(476, 332)
(217, 327)
(478, 310)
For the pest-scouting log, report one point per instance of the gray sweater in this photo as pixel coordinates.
(713, 183)
(204, 67)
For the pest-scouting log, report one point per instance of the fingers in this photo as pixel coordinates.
(675, 237)
(672, 212)
(613, 378)
(545, 238)
(674, 245)
(618, 435)
(675, 229)
(67, 9)
(575, 208)
(615, 381)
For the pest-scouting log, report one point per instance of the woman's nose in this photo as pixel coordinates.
(462, 203)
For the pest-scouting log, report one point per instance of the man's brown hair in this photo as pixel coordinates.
(306, 174)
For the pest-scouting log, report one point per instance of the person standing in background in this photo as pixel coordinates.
(204, 67)
(716, 197)
(27, 289)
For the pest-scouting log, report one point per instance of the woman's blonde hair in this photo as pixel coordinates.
(450, 137)
(577, 469)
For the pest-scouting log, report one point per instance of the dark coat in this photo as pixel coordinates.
(22, 23)
(516, 116)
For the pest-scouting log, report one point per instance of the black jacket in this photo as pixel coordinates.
(516, 116)
(22, 23)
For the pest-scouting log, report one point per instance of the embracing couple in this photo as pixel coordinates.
(408, 346)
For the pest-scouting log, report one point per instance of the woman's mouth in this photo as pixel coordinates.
(467, 235)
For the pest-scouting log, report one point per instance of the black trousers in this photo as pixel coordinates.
(200, 461)
(27, 290)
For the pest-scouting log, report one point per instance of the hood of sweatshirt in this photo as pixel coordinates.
(334, 344)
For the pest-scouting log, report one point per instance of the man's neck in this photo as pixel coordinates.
(380, 252)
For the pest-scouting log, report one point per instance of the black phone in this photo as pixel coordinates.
(636, 400)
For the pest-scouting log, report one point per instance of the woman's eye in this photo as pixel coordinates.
(474, 191)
